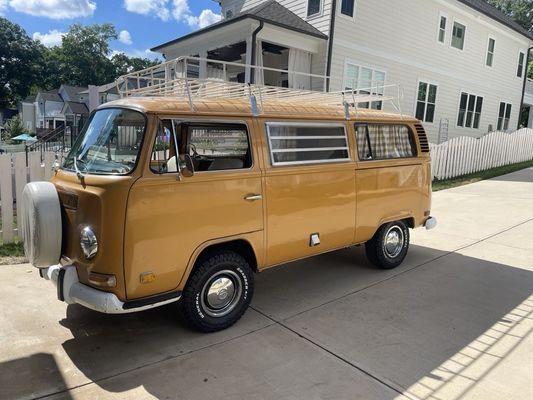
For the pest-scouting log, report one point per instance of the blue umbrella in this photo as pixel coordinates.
(24, 138)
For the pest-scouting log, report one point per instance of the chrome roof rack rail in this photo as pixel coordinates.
(198, 79)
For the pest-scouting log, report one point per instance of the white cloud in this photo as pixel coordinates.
(55, 9)
(178, 9)
(50, 39)
(206, 18)
(3, 6)
(148, 7)
(125, 37)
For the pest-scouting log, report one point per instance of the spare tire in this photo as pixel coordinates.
(41, 224)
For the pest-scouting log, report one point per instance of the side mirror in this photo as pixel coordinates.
(186, 165)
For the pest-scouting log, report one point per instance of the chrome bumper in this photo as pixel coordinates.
(72, 291)
(431, 223)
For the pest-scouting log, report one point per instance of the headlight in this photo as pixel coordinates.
(88, 243)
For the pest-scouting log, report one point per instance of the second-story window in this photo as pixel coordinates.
(442, 28)
(348, 7)
(521, 59)
(313, 7)
(364, 80)
(490, 52)
(458, 36)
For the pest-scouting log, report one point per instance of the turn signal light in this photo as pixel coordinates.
(102, 280)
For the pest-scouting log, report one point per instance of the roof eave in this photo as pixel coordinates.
(232, 21)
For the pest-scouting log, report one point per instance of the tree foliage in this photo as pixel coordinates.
(83, 58)
(13, 128)
(519, 10)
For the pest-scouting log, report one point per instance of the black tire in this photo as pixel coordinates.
(213, 271)
(377, 251)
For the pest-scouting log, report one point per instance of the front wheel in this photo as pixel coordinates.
(388, 248)
(218, 292)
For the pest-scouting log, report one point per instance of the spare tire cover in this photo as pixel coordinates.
(41, 224)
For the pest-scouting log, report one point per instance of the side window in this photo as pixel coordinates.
(217, 147)
(384, 141)
(163, 158)
(306, 143)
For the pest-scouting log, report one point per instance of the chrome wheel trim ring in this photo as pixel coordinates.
(221, 293)
(393, 241)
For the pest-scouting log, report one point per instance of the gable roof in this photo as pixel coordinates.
(75, 108)
(50, 95)
(107, 88)
(73, 91)
(270, 12)
(489, 10)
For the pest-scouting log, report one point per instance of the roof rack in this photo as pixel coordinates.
(198, 79)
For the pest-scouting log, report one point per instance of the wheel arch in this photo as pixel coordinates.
(240, 244)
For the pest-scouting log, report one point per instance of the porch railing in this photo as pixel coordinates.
(194, 79)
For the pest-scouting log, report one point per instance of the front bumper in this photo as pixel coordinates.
(72, 291)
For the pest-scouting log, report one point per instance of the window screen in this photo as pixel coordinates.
(218, 147)
(307, 143)
(313, 7)
(458, 36)
(347, 7)
(383, 141)
(504, 116)
(470, 108)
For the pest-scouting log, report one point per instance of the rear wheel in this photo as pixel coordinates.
(218, 292)
(389, 246)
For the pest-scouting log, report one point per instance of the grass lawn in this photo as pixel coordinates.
(480, 176)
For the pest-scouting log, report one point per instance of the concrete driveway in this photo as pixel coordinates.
(453, 322)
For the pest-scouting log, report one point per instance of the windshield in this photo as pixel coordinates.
(109, 144)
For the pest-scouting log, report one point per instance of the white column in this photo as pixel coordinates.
(203, 65)
(530, 122)
(248, 60)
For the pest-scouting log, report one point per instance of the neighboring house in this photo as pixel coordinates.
(100, 94)
(461, 63)
(67, 106)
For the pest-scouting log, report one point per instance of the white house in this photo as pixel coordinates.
(461, 63)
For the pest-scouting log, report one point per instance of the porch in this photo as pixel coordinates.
(292, 52)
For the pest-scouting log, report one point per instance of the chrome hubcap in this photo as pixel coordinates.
(394, 241)
(221, 293)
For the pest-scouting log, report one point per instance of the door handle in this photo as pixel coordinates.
(253, 197)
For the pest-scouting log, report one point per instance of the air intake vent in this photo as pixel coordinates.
(422, 138)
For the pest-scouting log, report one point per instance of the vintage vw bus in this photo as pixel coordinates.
(162, 201)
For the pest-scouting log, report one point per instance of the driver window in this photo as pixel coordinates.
(217, 147)
(164, 151)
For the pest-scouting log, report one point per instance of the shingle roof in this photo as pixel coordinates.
(51, 95)
(489, 10)
(107, 88)
(270, 12)
(73, 91)
(76, 108)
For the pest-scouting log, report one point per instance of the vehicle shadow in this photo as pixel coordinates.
(405, 326)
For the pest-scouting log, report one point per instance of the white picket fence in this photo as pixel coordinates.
(465, 155)
(456, 157)
(14, 174)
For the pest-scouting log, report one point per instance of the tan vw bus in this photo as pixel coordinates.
(162, 201)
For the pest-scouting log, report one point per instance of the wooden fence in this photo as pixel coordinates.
(465, 155)
(15, 172)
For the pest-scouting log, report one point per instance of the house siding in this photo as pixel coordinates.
(390, 37)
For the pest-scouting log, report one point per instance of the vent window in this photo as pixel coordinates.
(422, 138)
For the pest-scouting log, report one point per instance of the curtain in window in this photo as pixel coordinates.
(390, 141)
(299, 61)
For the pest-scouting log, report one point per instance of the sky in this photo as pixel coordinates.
(141, 24)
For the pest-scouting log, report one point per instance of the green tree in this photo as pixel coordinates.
(124, 65)
(520, 10)
(21, 63)
(83, 57)
(13, 128)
